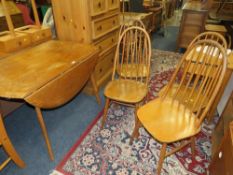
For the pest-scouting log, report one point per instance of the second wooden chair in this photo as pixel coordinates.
(131, 69)
(169, 119)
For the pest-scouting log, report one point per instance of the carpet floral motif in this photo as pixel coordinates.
(108, 152)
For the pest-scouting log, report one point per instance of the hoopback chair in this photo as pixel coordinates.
(214, 36)
(172, 118)
(210, 36)
(131, 69)
(8, 147)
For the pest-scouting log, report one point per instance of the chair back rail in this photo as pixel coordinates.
(199, 76)
(133, 54)
(210, 36)
(136, 23)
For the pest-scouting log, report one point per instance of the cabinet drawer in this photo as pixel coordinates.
(103, 26)
(107, 42)
(194, 19)
(104, 66)
(113, 4)
(98, 7)
(191, 30)
(9, 43)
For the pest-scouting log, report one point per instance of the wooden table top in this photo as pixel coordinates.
(24, 72)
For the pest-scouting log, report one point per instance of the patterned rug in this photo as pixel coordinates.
(107, 151)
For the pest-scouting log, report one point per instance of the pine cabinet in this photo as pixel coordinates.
(94, 22)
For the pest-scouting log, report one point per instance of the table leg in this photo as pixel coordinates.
(93, 82)
(44, 131)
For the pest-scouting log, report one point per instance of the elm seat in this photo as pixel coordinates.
(129, 91)
(156, 118)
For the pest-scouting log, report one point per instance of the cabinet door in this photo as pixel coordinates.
(217, 165)
(228, 151)
(223, 158)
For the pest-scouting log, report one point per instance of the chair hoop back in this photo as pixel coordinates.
(136, 23)
(133, 55)
(198, 76)
(210, 36)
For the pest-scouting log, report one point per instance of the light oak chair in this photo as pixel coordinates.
(173, 118)
(131, 70)
(9, 148)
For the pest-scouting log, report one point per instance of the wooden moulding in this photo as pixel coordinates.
(9, 43)
(35, 34)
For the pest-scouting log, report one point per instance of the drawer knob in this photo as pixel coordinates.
(220, 154)
(99, 28)
(99, 5)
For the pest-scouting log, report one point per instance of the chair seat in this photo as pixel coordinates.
(168, 121)
(128, 91)
(182, 98)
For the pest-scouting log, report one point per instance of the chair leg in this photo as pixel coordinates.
(138, 124)
(162, 156)
(8, 147)
(45, 133)
(193, 146)
(93, 82)
(105, 112)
